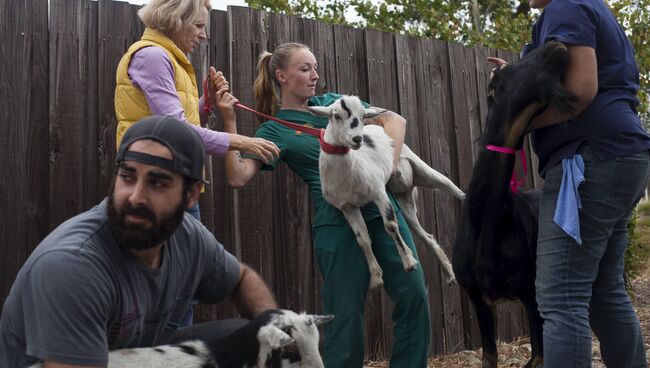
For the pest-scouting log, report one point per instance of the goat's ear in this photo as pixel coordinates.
(320, 110)
(372, 111)
(284, 339)
(319, 320)
(275, 337)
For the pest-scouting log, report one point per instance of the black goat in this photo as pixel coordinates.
(495, 250)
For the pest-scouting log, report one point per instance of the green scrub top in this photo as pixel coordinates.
(301, 151)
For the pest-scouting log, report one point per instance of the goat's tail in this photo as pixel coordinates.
(426, 176)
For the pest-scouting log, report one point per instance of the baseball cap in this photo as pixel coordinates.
(184, 143)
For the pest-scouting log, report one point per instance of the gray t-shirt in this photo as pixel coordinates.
(80, 294)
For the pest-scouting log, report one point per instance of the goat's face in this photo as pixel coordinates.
(346, 115)
(291, 340)
(520, 90)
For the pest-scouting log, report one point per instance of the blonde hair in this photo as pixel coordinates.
(169, 16)
(266, 89)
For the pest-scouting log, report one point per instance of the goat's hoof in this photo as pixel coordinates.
(376, 283)
(410, 264)
(489, 360)
(452, 281)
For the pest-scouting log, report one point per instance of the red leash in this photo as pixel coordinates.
(318, 133)
(514, 183)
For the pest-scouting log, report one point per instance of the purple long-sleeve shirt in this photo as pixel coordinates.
(152, 71)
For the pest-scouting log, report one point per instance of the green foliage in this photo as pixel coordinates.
(331, 11)
(503, 24)
(638, 250)
(643, 208)
(634, 15)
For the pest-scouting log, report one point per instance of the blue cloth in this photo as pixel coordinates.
(610, 124)
(568, 201)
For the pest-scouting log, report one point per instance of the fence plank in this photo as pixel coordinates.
(68, 133)
(216, 203)
(118, 28)
(460, 67)
(24, 97)
(413, 80)
(351, 77)
(442, 150)
(252, 219)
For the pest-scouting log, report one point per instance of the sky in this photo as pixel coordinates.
(216, 4)
(223, 4)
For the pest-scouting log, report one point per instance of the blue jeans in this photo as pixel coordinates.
(189, 314)
(581, 286)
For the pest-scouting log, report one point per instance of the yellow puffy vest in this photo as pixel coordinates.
(130, 103)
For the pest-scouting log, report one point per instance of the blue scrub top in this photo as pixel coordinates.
(610, 124)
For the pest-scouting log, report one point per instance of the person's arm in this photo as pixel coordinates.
(395, 127)
(239, 170)
(251, 295)
(581, 79)
(152, 71)
(219, 96)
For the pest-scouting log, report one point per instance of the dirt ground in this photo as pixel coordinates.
(517, 353)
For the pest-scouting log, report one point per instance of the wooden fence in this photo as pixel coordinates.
(58, 124)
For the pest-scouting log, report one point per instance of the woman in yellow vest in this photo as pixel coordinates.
(155, 77)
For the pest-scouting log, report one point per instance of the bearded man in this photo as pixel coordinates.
(122, 274)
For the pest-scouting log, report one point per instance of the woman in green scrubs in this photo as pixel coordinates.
(291, 71)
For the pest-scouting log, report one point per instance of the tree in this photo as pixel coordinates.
(503, 24)
(634, 15)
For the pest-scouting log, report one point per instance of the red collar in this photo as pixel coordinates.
(329, 148)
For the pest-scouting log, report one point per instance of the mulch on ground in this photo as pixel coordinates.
(515, 354)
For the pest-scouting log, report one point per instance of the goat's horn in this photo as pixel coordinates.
(319, 319)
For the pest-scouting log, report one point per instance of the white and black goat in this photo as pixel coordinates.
(352, 180)
(275, 339)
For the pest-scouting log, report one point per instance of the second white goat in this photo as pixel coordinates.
(351, 180)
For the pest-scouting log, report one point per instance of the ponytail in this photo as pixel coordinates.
(265, 88)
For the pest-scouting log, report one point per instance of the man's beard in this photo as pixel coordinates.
(137, 237)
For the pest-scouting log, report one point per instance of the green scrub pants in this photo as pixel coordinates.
(345, 285)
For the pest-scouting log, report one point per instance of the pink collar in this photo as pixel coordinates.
(508, 150)
(514, 183)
